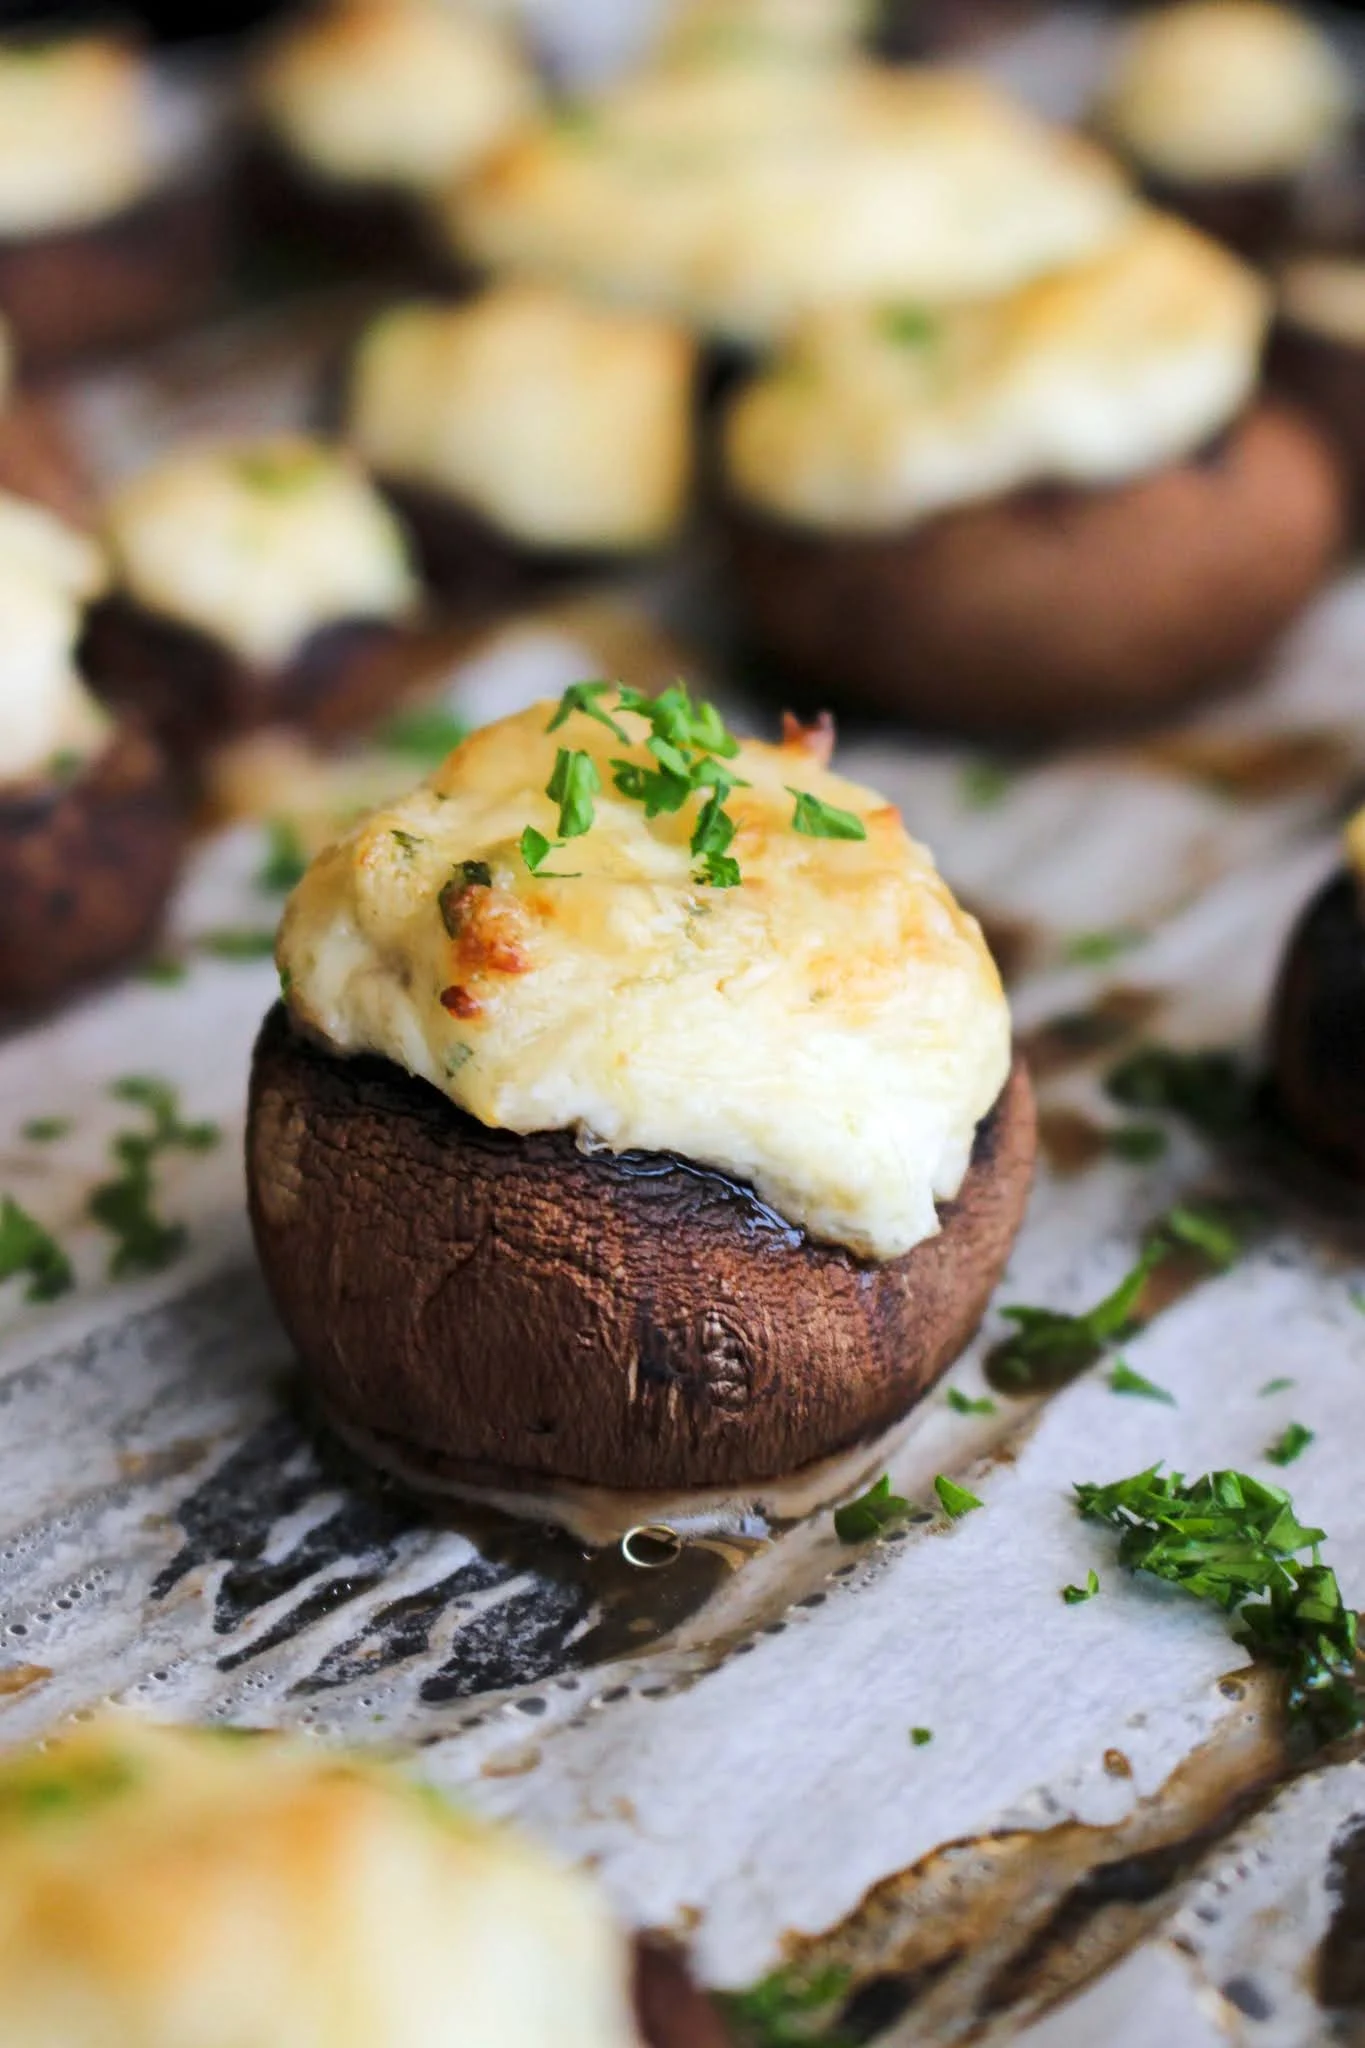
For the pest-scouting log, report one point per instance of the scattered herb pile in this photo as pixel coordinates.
(789, 2009)
(688, 746)
(1235, 1541)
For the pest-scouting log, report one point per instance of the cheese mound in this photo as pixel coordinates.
(876, 418)
(739, 196)
(76, 140)
(259, 543)
(833, 1030)
(1226, 90)
(564, 425)
(47, 572)
(395, 94)
(179, 1888)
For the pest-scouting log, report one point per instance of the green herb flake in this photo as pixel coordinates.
(44, 1130)
(574, 786)
(1277, 1386)
(51, 1787)
(1291, 1443)
(908, 326)
(237, 942)
(166, 970)
(1356, 1296)
(408, 843)
(789, 2009)
(426, 734)
(818, 820)
(31, 1253)
(920, 1736)
(1234, 1541)
(1049, 1346)
(962, 1404)
(858, 1520)
(1209, 1228)
(984, 784)
(285, 860)
(1139, 1144)
(1074, 1595)
(955, 1500)
(536, 850)
(458, 1056)
(1123, 1380)
(1097, 949)
(125, 1206)
(277, 471)
(470, 874)
(1208, 1088)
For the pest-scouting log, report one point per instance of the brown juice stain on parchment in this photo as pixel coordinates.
(1256, 767)
(1075, 1038)
(1000, 1927)
(19, 1678)
(1071, 1140)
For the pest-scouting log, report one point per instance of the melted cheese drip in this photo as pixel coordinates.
(877, 418)
(47, 571)
(1225, 90)
(75, 133)
(396, 94)
(259, 544)
(566, 426)
(738, 196)
(196, 1889)
(832, 1031)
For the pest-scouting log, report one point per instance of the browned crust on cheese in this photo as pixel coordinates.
(86, 867)
(1055, 610)
(525, 1313)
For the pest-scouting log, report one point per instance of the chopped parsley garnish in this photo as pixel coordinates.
(1097, 949)
(536, 850)
(126, 1205)
(1049, 1346)
(408, 842)
(1291, 1443)
(955, 1500)
(908, 326)
(1235, 1540)
(962, 1404)
(873, 1511)
(919, 1736)
(30, 1252)
(1074, 1595)
(55, 1787)
(1140, 1144)
(470, 874)
(984, 783)
(1123, 1380)
(1215, 1230)
(574, 786)
(818, 820)
(425, 734)
(285, 859)
(42, 1130)
(1277, 1386)
(788, 2010)
(1208, 1088)
(237, 942)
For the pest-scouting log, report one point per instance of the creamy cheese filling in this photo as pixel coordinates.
(832, 1030)
(48, 719)
(565, 425)
(876, 418)
(393, 92)
(739, 196)
(1325, 295)
(76, 141)
(1225, 90)
(259, 543)
(201, 1889)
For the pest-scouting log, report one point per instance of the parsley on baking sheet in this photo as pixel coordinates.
(955, 1500)
(789, 2009)
(962, 1404)
(1123, 1380)
(285, 860)
(984, 783)
(1139, 1144)
(1049, 1346)
(237, 942)
(43, 1130)
(1290, 1444)
(1276, 1386)
(1208, 1087)
(1097, 949)
(1235, 1541)
(920, 1736)
(30, 1252)
(164, 970)
(1074, 1595)
(1216, 1230)
(872, 1512)
(125, 1205)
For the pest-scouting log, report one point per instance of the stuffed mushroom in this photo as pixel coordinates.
(161, 1885)
(255, 583)
(106, 238)
(1226, 108)
(524, 432)
(1317, 1025)
(363, 110)
(640, 1130)
(91, 828)
(1066, 509)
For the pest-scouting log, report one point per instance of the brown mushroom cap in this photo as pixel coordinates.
(1317, 1028)
(525, 1313)
(113, 283)
(194, 692)
(474, 565)
(86, 866)
(1055, 610)
(1325, 374)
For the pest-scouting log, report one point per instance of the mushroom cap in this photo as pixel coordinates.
(518, 1312)
(1317, 1028)
(1000, 617)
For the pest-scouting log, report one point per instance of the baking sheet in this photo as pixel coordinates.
(1103, 1840)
